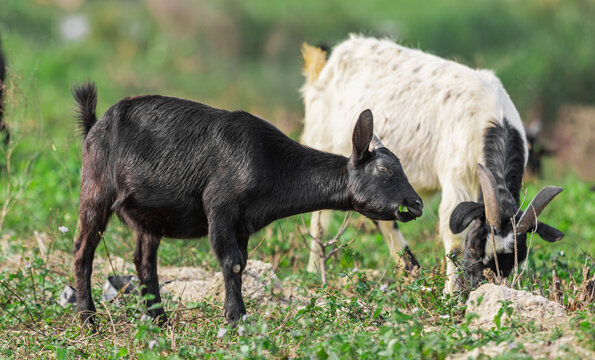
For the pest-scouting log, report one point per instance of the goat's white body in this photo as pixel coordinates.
(431, 112)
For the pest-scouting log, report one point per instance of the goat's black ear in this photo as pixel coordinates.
(463, 214)
(362, 134)
(547, 232)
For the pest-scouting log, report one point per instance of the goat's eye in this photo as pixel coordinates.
(381, 167)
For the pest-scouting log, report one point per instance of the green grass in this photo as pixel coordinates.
(245, 55)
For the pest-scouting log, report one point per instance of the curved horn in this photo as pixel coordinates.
(376, 143)
(491, 198)
(539, 202)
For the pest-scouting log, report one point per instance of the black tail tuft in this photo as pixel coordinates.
(85, 96)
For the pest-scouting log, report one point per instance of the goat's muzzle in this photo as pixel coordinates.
(409, 211)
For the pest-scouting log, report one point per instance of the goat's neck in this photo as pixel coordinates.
(320, 183)
(315, 181)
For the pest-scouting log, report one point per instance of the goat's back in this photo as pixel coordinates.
(431, 112)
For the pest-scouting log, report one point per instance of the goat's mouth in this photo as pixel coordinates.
(405, 213)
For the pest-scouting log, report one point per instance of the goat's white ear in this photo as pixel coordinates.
(362, 134)
(376, 143)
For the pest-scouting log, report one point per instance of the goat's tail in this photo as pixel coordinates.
(314, 61)
(85, 96)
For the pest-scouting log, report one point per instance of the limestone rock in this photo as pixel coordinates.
(487, 300)
(259, 282)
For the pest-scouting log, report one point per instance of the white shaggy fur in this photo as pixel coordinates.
(431, 112)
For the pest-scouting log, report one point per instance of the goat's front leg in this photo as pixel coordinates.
(452, 195)
(231, 252)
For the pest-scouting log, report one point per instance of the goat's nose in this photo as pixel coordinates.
(419, 203)
(415, 206)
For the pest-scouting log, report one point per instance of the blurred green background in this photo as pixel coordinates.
(245, 55)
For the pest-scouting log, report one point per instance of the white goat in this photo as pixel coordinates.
(431, 112)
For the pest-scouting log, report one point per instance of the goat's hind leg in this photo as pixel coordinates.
(231, 252)
(145, 260)
(94, 214)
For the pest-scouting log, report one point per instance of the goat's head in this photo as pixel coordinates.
(378, 187)
(498, 213)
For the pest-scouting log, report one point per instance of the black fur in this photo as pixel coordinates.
(176, 168)
(463, 214)
(547, 232)
(537, 151)
(86, 97)
(504, 153)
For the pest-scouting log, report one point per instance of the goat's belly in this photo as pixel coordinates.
(174, 223)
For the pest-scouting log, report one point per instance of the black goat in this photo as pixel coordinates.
(176, 168)
(498, 205)
(3, 127)
(537, 150)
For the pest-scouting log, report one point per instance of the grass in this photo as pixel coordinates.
(354, 317)
(360, 314)
(359, 320)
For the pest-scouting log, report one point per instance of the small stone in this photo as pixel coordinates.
(241, 330)
(152, 344)
(221, 333)
(115, 285)
(67, 296)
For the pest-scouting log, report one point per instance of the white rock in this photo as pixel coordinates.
(195, 284)
(487, 300)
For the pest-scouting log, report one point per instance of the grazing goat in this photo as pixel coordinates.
(537, 150)
(440, 117)
(3, 127)
(176, 168)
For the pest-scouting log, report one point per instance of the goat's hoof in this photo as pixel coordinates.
(162, 321)
(409, 260)
(235, 315)
(87, 317)
(158, 317)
